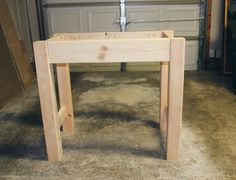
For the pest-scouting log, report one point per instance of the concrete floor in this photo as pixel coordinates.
(117, 131)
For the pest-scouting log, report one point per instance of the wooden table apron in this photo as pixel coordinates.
(64, 49)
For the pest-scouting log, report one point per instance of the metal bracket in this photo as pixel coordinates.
(123, 26)
(122, 16)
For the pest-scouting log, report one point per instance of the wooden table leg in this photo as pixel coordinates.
(64, 87)
(176, 83)
(48, 102)
(164, 96)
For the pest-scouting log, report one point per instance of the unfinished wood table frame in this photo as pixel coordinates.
(63, 49)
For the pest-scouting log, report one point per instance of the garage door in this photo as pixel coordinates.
(93, 16)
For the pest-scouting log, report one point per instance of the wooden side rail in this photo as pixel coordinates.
(164, 89)
(112, 35)
(109, 50)
(65, 96)
(63, 49)
(62, 115)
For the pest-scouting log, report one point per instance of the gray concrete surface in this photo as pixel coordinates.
(117, 131)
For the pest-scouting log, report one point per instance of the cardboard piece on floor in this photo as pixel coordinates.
(9, 79)
(16, 48)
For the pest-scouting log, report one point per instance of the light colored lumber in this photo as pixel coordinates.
(16, 47)
(111, 35)
(168, 34)
(117, 50)
(208, 34)
(57, 36)
(109, 48)
(135, 35)
(65, 96)
(62, 115)
(175, 97)
(226, 68)
(48, 102)
(164, 96)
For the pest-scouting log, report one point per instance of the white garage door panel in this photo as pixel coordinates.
(184, 28)
(94, 67)
(64, 20)
(191, 56)
(146, 13)
(95, 19)
(149, 66)
(102, 19)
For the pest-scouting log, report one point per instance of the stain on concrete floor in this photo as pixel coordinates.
(117, 131)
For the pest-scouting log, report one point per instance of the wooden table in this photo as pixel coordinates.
(63, 49)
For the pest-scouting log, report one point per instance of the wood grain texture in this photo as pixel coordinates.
(164, 89)
(111, 35)
(9, 78)
(48, 102)
(62, 115)
(168, 34)
(208, 33)
(227, 67)
(168, 50)
(18, 53)
(164, 97)
(103, 51)
(175, 97)
(65, 96)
